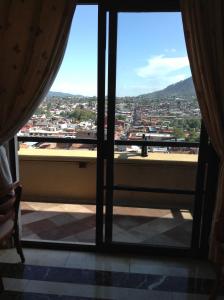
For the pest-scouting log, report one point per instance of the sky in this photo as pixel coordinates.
(151, 53)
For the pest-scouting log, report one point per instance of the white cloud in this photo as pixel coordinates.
(150, 85)
(161, 65)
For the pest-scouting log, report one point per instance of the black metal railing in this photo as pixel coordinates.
(141, 143)
(40, 139)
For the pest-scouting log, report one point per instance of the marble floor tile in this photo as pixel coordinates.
(176, 267)
(44, 257)
(15, 284)
(101, 262)
(70, 289)
(99, 292)
(183, 296)
(9, 256)
(102, 276)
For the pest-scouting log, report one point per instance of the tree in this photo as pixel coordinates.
(193, 137)
(82, 115)
(179, 133)
(193, 123)
(121, 117)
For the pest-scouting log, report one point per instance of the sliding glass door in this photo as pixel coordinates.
(152, 139)
(117, 159)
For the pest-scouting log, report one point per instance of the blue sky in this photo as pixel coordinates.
(151, 53)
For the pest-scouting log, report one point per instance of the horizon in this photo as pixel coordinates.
(118, 96)
(144, 65)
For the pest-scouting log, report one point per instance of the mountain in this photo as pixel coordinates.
(182, 89)
(62, 95)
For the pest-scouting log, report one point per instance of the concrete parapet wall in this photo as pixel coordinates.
(72, 179)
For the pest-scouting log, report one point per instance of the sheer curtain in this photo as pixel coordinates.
(204, 33)
(33, 37)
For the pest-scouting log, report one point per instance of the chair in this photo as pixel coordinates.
(9, 209)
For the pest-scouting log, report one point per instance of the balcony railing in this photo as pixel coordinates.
(116, 142)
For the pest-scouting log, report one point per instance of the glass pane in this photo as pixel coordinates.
(59, 190)
(58, 222)
(58, 193)
(157, 170)
(149, 219)
(155, 101)
(70, 107)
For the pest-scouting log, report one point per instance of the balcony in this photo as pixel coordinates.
(59, 197)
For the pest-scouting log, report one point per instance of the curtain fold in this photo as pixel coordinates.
(204, 33)
(33, 35)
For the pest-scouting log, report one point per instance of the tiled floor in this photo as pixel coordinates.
(58, 275)
(76, 223)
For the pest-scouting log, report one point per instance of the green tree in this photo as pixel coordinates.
(193, 123)
(121, 117)
(179, 133)
(82, 115)
(193, 137)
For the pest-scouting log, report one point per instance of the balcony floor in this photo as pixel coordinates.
(76, 223)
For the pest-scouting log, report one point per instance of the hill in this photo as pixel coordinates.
(62, 95)
(182, 89)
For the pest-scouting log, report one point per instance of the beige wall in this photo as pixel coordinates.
(73, 179)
